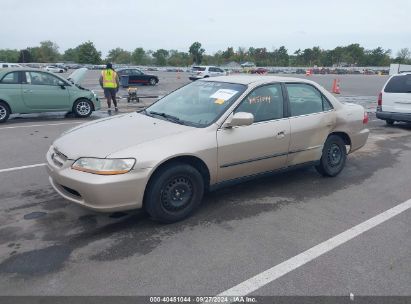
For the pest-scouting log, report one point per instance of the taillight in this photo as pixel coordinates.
(379, 102)
(365, 119)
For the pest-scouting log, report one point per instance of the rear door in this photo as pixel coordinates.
(311, 119)
(260, 147)
(396, 96)
(136, 77)
(42, 92)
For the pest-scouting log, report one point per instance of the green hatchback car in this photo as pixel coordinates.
(24, 91)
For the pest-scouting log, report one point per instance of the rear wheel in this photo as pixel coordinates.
(389, 122)
(174, 192)
(4, 112)
(82, 108)
(334, 155)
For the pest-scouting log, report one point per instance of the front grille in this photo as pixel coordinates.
(59, 154)
(58, 158)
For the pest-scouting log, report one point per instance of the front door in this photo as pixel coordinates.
(41, 91)
(260, 147)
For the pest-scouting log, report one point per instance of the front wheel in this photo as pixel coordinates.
(152, 81)
(82, 108)
(174, 192)
(333, 158)
(4, 112)
(389, 122)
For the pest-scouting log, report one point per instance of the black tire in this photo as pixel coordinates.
(4, 112)
(389, 122)
(334, 155)
(82, 108)
(152, 81)
(174, 192)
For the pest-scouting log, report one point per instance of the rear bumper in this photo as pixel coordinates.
(394, 116)
(359, 139)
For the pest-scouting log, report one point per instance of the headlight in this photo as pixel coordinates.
(104, 166)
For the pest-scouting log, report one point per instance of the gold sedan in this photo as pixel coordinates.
(205, 135)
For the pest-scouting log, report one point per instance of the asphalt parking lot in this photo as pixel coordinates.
(49, 246)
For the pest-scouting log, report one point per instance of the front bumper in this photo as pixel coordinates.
(395, 116)
(97, 192)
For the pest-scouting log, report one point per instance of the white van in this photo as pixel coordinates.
(7, 65)
(394, 101)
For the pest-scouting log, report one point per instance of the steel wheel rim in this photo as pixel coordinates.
(3, 112)
(176, 194)
(83, 108)
(152, 81)
(334, 155)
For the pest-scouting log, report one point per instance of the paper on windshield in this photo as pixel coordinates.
(224, 94)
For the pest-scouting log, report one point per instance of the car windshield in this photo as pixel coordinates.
(198, 104)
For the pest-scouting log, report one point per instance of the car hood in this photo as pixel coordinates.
(78, 75)
(103, 137)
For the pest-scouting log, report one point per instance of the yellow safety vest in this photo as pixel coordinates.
(109, 79)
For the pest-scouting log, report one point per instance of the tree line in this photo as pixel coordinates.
(86, 53)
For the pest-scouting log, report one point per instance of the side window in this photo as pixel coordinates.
(212, 69)
(37, 78)
(399, 84)
(11, 78)
(305, 99)
(265, 103)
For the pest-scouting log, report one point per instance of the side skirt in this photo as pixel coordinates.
(239, 180)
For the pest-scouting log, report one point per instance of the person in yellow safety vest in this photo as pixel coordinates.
(110, 83)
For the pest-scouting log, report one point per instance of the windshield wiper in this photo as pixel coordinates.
(166, 116)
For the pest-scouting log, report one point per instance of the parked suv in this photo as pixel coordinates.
(198, 72)
(394, 101)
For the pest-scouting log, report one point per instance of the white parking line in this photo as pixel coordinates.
(21, 168)
(303, 258)
(44, 125)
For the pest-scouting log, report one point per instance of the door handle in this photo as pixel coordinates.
(281, 134)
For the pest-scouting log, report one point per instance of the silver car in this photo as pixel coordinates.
(205, 135)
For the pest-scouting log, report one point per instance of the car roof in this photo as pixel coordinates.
(255, 79)
(23, 69)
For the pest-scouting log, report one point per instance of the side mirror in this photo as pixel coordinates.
(62, 84)
(239, 119)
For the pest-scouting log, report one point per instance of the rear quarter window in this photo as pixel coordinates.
(399, 84)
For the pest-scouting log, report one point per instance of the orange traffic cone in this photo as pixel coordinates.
(336, 87)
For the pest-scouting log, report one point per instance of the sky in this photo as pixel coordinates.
(216, 24)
